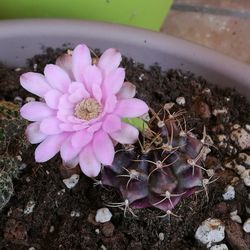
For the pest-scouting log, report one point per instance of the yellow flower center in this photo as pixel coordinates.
(88, 109)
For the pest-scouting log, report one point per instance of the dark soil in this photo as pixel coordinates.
(51, 224)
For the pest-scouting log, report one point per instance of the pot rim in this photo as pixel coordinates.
(237, 73)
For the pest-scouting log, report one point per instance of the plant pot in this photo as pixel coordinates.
(130, 12)
(20, 40)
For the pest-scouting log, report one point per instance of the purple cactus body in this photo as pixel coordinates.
(157, 177)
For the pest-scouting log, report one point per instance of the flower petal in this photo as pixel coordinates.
(33, 133)
(64, 102)
(35, 83)
(109, 60)
(110, 104)
(52, 98)
(77, 92)
(90, 166)
(50, 147)
(92, 75)
(126, 135)
(71, 163)
(81, 58)
(97, 92)
(68, 151)
(112, 123)
(50, 126)
(65, 62)
(128, 90)
(132, 107)
(103, 147)
(113, 81)
(36, 111)
(57, 77)
(81, 138)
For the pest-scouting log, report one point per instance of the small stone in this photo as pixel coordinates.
(206, 91)
(61, 192)
(74, 214)
(97, 231)
(145, 117)
(103, 247)
(141, 77)
(246, 226)
(19, 158)
(247, 127)
(17, 69)
(236, 126)
(235, 217)
(222, 111)
(229, 193)
(18, 100)
(245, 176)
(51, 229)
(108, 229)
(27, 179)
(22, 166)
(240, 169)
(245, 157)
(30, 99)
(103, 215)
(211, 231)
(222, 138)
(161, 236)
(31, 248)
(35, 66)
(181, 100)
(71, 181)
(29, 207)
(241, 137)
(219, 247)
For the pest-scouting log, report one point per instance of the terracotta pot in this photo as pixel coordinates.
(22, 39)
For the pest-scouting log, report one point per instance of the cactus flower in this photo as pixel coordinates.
(83, 103)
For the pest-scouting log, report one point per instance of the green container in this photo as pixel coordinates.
(148, 14)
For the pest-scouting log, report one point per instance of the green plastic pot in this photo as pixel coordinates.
(148, 14)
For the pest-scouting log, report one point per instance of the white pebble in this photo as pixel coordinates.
(74, 214)
(211, 230)
(245, 176)
(229, 193)
(103, 215)
(52, 229)
(246, 226)
(103, 247)
(219, 247)
(181, 100)
(18, 99)
(71, 181)
(241, 137)
(29, 207)
(247, 127)
(61, 192)
(220, 111)
(18, 69)
(161, 236)
(30, 99)
(235, 217)
(97, 231)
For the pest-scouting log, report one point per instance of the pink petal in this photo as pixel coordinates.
(68, 151)
(66, 127)
(109, 60)
(33, 133)
(132, 107)
(50, 147)
(36, 111)
(35, 83)
(71, 163)
(113, 81)
(52, 98)
(65, 62)
(103, 147)
(50, 126)
(64, 102)
(81, 58)
(112, 123)
(126, 135)
(57, 77)
(110, 104)
(97, 92)
(90, 166)
(128, 90)
(92, 75)
(81, 138)
(77, 92)
(94, 127)
(63, 114)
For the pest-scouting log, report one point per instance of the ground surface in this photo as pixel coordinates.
(64, 219)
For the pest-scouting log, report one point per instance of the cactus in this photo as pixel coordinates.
(162, 168)
(12, 143)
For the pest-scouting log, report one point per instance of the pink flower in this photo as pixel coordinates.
(81, 115)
